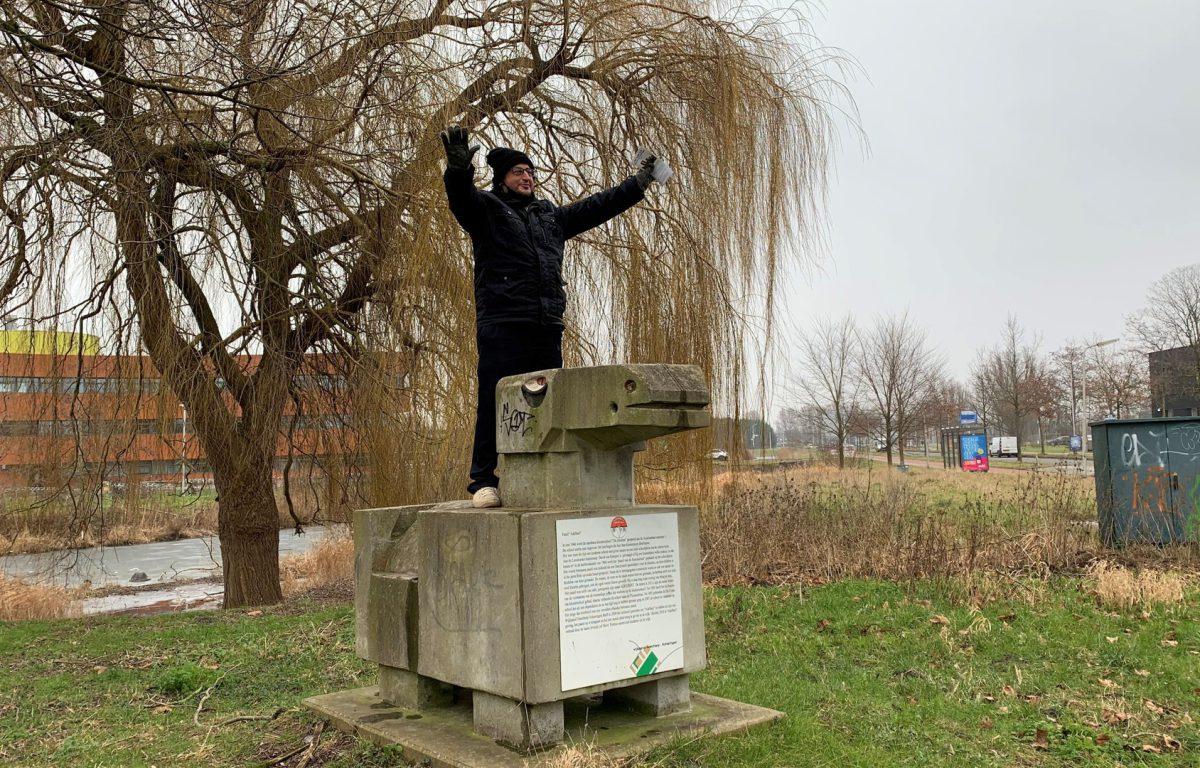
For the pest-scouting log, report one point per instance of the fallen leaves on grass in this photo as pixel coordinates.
(1114, 717)
(1041, 739)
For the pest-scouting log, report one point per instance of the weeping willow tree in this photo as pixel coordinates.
(249, 186)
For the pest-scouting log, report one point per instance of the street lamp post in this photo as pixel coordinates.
(183, 455)
(1083, 397)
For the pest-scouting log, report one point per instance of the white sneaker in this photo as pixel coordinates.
(486, 498)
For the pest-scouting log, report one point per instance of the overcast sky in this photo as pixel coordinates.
(1034, 158)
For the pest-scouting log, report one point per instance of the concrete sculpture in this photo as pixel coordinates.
(572, 589)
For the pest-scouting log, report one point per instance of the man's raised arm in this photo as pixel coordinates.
(594, 210)
(466, 202)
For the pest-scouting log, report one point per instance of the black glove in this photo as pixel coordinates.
(458, 156)
(645, 174)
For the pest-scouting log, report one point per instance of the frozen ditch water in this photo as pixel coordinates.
(177, 565)
(186, 596)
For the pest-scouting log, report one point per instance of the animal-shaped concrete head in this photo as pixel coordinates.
(600, 408)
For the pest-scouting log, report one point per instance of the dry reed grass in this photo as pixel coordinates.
(20, 601)
(1124, 588)
(824, 524)
(585, 756)
(31, 523)
(330, 562)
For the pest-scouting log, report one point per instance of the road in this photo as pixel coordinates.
(1028, 463)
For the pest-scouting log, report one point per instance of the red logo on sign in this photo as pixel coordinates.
(618, 526)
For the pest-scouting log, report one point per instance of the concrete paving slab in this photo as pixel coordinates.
(446, 739)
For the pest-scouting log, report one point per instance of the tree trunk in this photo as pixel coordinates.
(841, 454)
(248, 527)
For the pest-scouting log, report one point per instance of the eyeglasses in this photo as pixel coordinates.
(531, 173)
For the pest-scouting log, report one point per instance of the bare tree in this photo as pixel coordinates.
(1171, 319)
(1118, 381)
(898, 369)
(1005, 377)
(941, 408)
(249, 185)
(1068, 366)
(827, 381)
(1044, 396)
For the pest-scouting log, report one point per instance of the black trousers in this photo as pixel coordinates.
(505, 349)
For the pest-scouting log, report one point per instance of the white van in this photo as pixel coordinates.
(1003, 446)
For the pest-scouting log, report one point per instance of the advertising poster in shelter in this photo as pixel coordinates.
(974, 452)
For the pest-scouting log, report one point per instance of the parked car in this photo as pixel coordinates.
(718, 454)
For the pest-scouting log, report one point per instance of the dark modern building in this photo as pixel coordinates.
(1174, 382)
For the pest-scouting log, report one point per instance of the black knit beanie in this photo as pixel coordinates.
(502, 160)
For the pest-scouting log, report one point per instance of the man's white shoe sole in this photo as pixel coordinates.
(481, 500)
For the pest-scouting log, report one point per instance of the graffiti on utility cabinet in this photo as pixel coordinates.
(1161, 470)
(1151, 491)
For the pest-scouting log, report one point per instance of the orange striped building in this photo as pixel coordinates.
(67, 411)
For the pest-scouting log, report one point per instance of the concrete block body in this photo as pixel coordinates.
(489, 599)
(657, 698)
(402, 688)
(517, 724)
(540, 579)
(385, 573)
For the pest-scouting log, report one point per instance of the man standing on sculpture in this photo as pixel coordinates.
(517, 240)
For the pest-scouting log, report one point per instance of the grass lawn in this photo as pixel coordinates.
(868, 673)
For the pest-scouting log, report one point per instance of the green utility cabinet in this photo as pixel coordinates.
(1147, 480)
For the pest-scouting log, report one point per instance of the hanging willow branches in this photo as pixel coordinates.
(251, 189)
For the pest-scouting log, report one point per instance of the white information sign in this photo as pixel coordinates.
(619, 608)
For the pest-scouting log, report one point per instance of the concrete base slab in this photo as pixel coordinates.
(446, 738)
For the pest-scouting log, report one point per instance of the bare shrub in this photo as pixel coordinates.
(20, 601)
(41, 523)
(331, 561)
(822, 524)
(1119, 587)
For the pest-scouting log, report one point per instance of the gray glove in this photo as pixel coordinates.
(645, 174)
(458, 155)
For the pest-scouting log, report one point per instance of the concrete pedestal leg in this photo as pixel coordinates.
(403, 688)
(658, 698)
(517, 724)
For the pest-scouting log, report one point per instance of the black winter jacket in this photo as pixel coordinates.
(519, 251)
